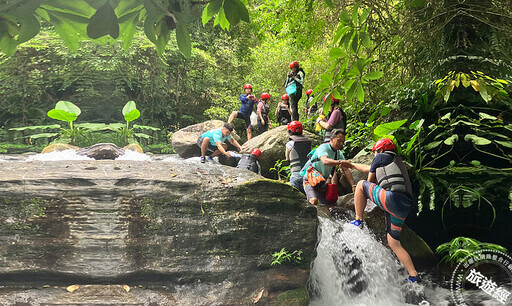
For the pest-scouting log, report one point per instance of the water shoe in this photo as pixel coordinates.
(203, 159)
(412, 279)
(358, 223)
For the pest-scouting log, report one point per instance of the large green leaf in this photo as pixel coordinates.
(507, 144)
(103, 22)
(387, 128)
(35, 127)
(235, 11)
(360, 92)
(62, 115)
(71, 28)
(130, 111)
(432, 145)
(68, 107)
(145, 127)
(210, 10)
(93, 126)
(477, 140)
(183, 39)
(128, 107)
(43, 135)
(451, 140)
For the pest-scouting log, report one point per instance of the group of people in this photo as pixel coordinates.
(388, 184)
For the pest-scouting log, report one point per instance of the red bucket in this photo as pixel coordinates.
(332, 193)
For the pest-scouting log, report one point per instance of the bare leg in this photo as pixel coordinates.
(249, 134)
(313, 201)
(402, 255)
(218, 152)
(204, 146)
(359, 201)
(232, 116)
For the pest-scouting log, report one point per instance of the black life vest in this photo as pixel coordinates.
(339, 125)
(299, 152)
(264, 113)
(394, 176)
(249, 162)
(283, 116)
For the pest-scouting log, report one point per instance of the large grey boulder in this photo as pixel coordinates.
(272, 145)
(182, 228)
(184, 141)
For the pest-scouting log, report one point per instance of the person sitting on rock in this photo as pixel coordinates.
(389, 187)
(324, 160)
(297, 150)
(247, 102)
(250, 161)
(212, 142)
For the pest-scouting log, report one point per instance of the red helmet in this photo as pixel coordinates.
(294, 64)
(295, 127)
(309, 91)
(265, 96)
(247, 86)
(285, 97)
(256, 152)
(385, 144)
(335, 100)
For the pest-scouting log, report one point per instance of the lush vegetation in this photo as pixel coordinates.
(433, 75)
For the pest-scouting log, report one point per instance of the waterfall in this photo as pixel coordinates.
(353, 268)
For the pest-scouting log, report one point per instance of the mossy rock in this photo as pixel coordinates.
(296, 297)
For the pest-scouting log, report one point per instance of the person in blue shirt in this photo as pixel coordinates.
(389, 187)
(212, 142)
(247, 105)
(326, 157)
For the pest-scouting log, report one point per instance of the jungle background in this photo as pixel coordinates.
(432, 75)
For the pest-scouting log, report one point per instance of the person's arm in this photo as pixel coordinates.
(259, 114)
(235, 143)
(287, 154)
(289, 109)
(372, 177)
(324, 124)
(331, 162)
(277, 108)
(221, 148)
(361, 168)
(349, 177)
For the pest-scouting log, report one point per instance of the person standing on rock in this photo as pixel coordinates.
(212, 142)
(297, 150)
(283, 112)
(322, 164)
(263, 109)
(389, 187)
(293, 85)
(247, 101)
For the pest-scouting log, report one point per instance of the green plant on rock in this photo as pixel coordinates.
(459, 248)
(282, 256)
(282, 170)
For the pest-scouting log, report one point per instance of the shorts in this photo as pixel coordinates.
(247, 118)
(211, 148)
(318, 192)
(396, 205)
(296, 181)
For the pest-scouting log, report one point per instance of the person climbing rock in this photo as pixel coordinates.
(321, 165)
(335, 119)
(297, 150)
(263, 109)
(212, 142)
(283, 112)
(311, 108)
(250, 161)
(247, 101)
(389, 187)
(293, 85)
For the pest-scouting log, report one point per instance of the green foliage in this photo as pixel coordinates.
(281, 170)
(461, 248)
(282, 256)
(104, 21)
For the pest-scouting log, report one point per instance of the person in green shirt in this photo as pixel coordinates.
(212, 142)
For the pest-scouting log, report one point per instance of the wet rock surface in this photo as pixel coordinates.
(199, 232)
(102, 151)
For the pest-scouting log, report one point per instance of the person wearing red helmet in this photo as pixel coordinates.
(251, 161)
(263, 109)
(297, 150)
(389, 187)
(283, 112)
(311, 108)
(246, 107)
(335, 119)
(293, 85)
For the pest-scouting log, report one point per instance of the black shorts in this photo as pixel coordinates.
(211, 148)
(247, 119)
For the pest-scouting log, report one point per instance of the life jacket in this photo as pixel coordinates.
(339, 125)
(264, 112)
(249, 162)
(308, 104)
(394, 176)
(283, 116)
(299, 152)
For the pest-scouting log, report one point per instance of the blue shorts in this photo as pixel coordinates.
(396, 205)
